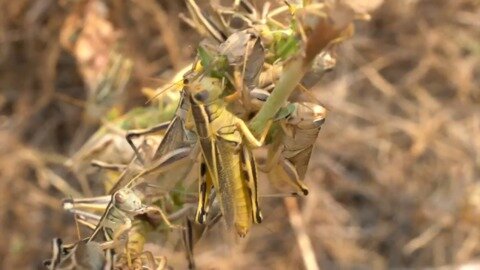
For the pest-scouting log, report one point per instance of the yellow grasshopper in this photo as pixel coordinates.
(292, 143)
(228, 163)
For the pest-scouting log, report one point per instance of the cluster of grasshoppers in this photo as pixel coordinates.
(237, 68)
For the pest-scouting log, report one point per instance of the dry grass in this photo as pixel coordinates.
(394, 180)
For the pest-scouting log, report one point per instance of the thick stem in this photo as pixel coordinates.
(289, 79)
(323, 34)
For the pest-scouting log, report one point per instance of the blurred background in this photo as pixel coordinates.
(394, 180)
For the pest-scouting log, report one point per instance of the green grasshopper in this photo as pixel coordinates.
(228, 163)
(119, 211)
(118, 216)
(116, 225)
(123, 206)
(125, 203)
(134, 257)
(117, 221)
(292, 144)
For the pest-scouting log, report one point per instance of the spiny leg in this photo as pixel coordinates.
(142, 132)
(161, 262)
(122, 231)
(288, 171)
(162, 215)
(187, 237)
(291, 175)
(249, 137)
(153, 263)
(108, 166)
(148, 257)
(169, 161)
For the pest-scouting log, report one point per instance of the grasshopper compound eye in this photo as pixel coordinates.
(319, 122)
(202, 96)
(120, 196)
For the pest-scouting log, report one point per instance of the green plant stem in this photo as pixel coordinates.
(291, 75)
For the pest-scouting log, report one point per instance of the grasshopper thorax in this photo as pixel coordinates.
(307, 114)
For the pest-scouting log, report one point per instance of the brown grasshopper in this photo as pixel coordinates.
(292, 143)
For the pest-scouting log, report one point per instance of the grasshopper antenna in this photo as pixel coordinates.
(173, 84)
(309, 94)
(77, 226)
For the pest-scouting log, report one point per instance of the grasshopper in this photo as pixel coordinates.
(115, 226)
(118, 216)
(228, 163)
(123, 206)
(135, 256)
(194, 232)
(116, 222)
(125, 203)
(292, 144)
(175, 143)
(77, 256)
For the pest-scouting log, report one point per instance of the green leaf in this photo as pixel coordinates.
(205, 58)
(287, 47)
(284, 112)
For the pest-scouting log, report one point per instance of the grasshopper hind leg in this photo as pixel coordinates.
(131, 134)
(250, 176)
(204, 187)
(286, 172)
(280, 169)
(188, 242)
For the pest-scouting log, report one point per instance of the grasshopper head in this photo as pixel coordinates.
(126, 199)
(308, 115)
(205, 90)
(258, 97)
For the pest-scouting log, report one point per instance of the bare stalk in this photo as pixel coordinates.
(291, 76)
(303, 241)
(324, 33)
